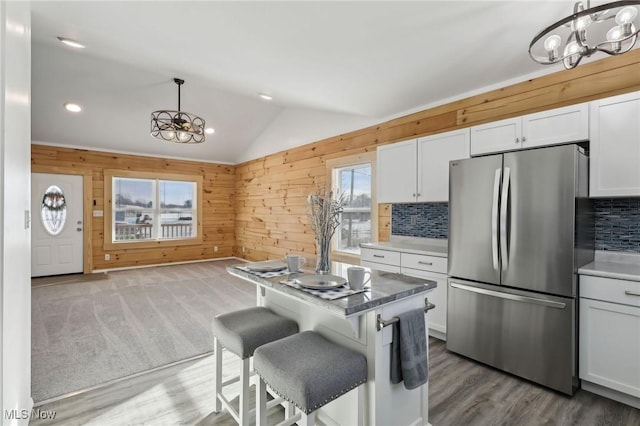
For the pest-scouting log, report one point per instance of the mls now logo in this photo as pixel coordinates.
(16, 414)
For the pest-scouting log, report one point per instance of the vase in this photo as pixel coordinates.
(323, 247)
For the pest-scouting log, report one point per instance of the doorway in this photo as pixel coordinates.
(57, 234)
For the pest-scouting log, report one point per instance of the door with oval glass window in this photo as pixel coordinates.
(57, 227)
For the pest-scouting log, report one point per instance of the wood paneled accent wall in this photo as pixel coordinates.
(271, 217)
(218, 202)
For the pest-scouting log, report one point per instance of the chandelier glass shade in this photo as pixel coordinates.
(611, 28)
(177, 126)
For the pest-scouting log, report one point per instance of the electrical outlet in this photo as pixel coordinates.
(414, 219)
(107, 257)
(243, 249)
(215, 248)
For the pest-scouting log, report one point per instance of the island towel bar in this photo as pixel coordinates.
(383, 323)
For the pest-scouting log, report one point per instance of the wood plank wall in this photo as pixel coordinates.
(218, 203)
(271, 217)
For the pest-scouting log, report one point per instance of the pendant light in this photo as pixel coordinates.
(177, 126)
(611, 28)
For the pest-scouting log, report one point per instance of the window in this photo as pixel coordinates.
(152, 209)
(353, 177)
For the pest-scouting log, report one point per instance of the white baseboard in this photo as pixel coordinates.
(124, 268)
(611, 394)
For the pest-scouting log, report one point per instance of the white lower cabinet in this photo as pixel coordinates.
(610, 337)
(421, 266)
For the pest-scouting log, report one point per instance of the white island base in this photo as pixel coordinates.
(384, 403)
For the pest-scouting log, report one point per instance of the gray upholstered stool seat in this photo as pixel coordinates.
(241, 332)
(309, 370)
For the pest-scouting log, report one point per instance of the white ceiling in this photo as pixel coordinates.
(331, 67)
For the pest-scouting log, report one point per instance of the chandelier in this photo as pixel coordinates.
(177, 126)
(611, 28)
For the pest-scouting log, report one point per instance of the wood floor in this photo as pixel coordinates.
(461, 392)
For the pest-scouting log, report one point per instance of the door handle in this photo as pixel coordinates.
(504, 204)
(78, 229)
(422, 262)
(494, 220)
(509, 296)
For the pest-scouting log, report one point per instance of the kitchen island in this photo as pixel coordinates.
(357, 322)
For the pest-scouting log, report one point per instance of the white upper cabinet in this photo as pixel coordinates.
(418, 170)
(556, 126)
(615, 146)
(397, 169)
(434, 154)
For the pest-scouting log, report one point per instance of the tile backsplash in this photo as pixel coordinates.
(617, 222)
(426, 220)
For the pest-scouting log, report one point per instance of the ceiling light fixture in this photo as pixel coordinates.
(611, 28)
(265, 96)
(177, 126)
(209, 130)
(71, 43)
(71, 107)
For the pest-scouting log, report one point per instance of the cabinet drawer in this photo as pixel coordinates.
(381, 266)
(424, 263)
(610, 290)
(380, 256)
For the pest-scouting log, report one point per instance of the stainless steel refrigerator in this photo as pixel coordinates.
(520, 225)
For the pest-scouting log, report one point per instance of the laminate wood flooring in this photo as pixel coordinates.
(461, 392)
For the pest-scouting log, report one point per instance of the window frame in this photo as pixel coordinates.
(109, 244)
(354, 160)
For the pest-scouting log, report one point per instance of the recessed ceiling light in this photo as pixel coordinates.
(265, 96)
(209, 130)
(71, 43)
(72, 107)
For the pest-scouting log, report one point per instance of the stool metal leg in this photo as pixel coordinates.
(243, 409)
(217, 379)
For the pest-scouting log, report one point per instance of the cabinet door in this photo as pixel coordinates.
(610, 345)
(556, 126)
(397, 167)
(438, 296)
(434, 154)
(615, 146)
(498, 136)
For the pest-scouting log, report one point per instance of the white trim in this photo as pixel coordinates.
(124, 268)
(138, 154)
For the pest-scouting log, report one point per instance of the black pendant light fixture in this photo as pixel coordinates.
(177, 126)
(611, 28)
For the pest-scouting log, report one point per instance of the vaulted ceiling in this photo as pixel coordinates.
(331, 67)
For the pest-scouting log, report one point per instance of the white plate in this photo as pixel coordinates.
(321, 282)
(267, 266)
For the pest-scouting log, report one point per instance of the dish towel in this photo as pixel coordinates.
(409, 356)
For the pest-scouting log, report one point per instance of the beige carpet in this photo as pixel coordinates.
(92, 331)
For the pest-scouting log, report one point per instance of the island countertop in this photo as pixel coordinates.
(384, 287)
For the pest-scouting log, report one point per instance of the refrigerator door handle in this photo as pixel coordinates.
(504, 204)
(494, 220)
(509, 296)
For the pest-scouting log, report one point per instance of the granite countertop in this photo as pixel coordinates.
(620, 266)
(384, 287)
(426, 246)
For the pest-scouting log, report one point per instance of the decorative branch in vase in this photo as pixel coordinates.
(324, 212)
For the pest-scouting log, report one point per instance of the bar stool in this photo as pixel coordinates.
(241, 332)
(309, 371)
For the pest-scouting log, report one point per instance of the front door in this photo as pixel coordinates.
(57, 213)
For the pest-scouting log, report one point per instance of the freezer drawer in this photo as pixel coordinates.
(524, 333)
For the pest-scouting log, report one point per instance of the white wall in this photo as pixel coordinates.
(15, 189)
(295, 127)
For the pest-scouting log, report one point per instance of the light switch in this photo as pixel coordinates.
(98, 213)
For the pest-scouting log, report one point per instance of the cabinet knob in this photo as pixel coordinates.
(414, 194)
(517, 140)
(418, 194)
(524, 139)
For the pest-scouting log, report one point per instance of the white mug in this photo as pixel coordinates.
(356, 277)
(294, 262)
